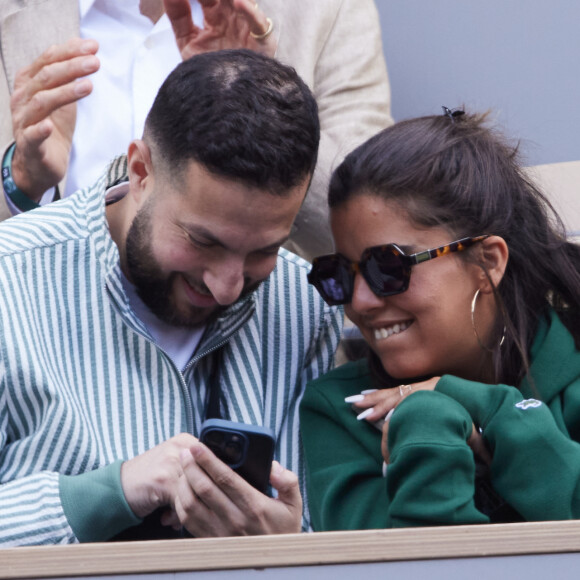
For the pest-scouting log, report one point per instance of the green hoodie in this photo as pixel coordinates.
(431, 475)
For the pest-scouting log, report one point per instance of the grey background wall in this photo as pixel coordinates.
(520, 58)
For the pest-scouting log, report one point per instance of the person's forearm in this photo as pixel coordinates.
(32, 512)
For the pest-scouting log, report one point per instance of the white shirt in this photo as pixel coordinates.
(178, 342)
(136, 56)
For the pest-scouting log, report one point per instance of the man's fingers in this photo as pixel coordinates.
(53, 87)
(34, 136)
(75, 47)
(285, 482)
(45, 103)
(56, 75)
(220, 502)
(179, 14)
(226, 484)
(188, 508)
(257, 20)
(202, 504)
(170, 518)
(208, 3)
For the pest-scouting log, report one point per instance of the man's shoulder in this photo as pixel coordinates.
(59, 222)
(288, 282)
(294, 261)
(290, 269)
(287, 293)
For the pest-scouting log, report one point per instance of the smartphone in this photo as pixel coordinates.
(247, 449)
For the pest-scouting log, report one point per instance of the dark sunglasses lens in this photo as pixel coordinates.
(384, 271)
(332, 277)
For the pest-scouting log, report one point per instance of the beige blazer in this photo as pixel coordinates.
(335, 45)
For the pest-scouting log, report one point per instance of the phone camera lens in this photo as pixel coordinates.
(233, 448)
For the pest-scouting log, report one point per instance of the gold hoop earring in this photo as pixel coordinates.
(473, 302)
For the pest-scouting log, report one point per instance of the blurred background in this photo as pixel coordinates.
(520, 58)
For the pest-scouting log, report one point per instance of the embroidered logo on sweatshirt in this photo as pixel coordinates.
(528, 404)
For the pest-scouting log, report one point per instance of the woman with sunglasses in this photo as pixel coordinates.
(459, 276)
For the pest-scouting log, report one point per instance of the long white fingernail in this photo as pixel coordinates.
(368, 391)
(389, 414)
(354, 399)
(364, 414)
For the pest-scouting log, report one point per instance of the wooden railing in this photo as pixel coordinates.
(162, 559)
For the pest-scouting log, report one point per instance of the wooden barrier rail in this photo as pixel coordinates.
(171, 556)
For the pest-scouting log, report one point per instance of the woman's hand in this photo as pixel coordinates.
(375, 405)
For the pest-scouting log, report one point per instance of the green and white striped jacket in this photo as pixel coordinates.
(84, 386)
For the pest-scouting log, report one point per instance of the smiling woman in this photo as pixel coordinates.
(473, 373)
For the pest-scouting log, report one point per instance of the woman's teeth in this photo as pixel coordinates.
(381, 333)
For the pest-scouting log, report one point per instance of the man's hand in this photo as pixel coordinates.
(44, 113)
(150, 480)
(213, 500)
(227, 24)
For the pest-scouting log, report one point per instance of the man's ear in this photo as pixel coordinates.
(140, 168)
(494, 254)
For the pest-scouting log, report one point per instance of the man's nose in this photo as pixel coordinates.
(225, 280)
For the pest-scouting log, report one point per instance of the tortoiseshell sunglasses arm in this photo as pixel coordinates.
(457, 246)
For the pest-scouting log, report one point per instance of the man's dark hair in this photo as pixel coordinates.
(241, 115)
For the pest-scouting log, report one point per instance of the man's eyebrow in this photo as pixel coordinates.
(209, 237)
(275, 245)
(199, 230)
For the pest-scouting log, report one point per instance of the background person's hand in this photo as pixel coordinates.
(227, 24)
(43, 107)
(212, 500)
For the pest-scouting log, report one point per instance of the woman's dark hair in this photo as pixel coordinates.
(455, 172)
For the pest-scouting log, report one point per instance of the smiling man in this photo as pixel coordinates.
(138, 307)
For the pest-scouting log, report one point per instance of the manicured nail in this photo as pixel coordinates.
(368, 391)
(389, 414)
(354, 399)
(364, 414)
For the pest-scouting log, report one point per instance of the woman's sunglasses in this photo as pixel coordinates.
(386, 269)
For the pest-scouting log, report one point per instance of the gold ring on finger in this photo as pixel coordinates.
(264, 34)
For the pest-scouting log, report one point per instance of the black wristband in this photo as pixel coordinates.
(16, 195)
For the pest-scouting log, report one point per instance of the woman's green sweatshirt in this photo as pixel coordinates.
(532, 433)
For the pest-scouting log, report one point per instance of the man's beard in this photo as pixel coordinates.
(156, 289)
